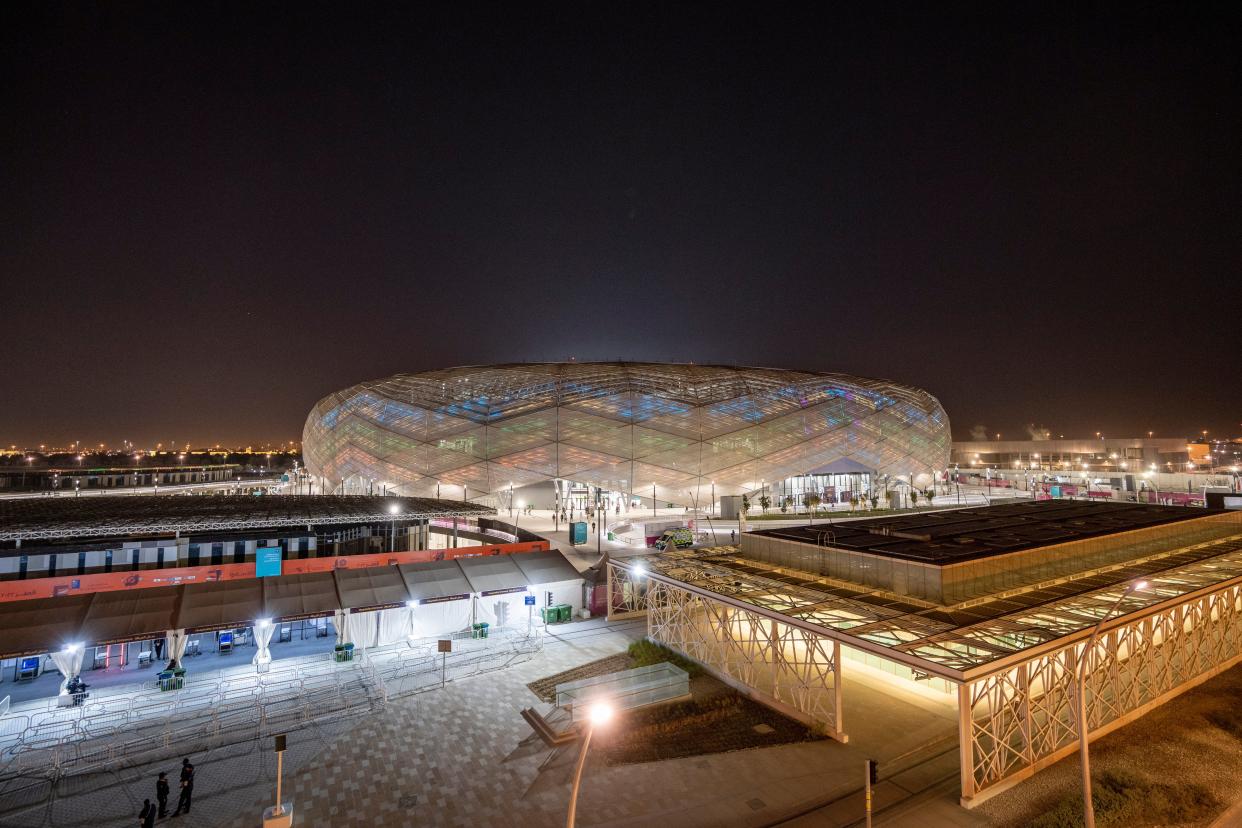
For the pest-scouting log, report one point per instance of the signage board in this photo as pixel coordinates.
(444, 645)
(508, 591)
(267, 561)
(529, 601)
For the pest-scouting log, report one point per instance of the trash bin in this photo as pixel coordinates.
(171, 679)
(564, 612)
(548, 614)
(476, 630)
(483, 629)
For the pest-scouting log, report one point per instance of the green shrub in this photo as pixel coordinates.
(646, 652)
(1125, 799)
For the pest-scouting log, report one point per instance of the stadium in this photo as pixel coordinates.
(640, 432)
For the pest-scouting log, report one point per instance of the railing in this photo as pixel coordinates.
(128, 726)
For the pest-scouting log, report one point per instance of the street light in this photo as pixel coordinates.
(1088, 812)
(394, 510)
(599, 714)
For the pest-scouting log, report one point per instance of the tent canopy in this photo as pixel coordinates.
(129, 615)
(435, 580)
(220, 605)
(492, 573)
(41, 624)
(374, 587)
(547, 567)
(293, 597)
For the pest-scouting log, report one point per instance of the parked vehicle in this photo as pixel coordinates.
(680, 538)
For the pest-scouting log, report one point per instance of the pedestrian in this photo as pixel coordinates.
(187, 787)
(161, 794)
(146, 818)
(732, 536)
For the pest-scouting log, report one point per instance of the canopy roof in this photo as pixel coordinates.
(42, 625)
(129, 615)
(957, 642)
(435, 580)
(374, 587)
(492, 573)
(546, 567)
(69, 517)
(220, 605)
(308, 595)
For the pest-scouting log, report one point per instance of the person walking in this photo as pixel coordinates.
(187, 787)
(146, 817)
(161, 793)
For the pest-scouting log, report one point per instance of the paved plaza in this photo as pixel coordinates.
(463, 756)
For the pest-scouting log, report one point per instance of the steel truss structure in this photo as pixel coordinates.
(72, 517)
(1019, 720)
(796, 670)
(1014, 661)
(685, 430)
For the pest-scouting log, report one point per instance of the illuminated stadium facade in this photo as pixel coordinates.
(666, 431)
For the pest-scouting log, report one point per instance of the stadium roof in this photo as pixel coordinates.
(78, 517)
(958, 535)
(955, 642)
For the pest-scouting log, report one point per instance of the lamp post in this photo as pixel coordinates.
(1088, 811)
(393, 510)
(599, 714)
(653, 500)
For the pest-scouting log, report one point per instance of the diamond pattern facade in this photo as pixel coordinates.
(619, 426)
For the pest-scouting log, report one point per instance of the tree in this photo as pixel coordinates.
(765, 502)
(914, 497)
(745, 504)
(786, 502)
(929, 494)
(810, 500)
(875, 500)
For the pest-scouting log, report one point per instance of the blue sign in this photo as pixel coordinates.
(529, 601)
(267, 561)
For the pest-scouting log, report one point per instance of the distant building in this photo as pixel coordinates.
(1134, 454)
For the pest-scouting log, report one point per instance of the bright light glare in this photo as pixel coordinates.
(263, 623)
(393, 509)
(600, 713)
(1140, 585)
(73, 648)
(411, 604)
(639, 570)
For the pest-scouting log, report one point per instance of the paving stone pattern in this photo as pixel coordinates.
(462, 756)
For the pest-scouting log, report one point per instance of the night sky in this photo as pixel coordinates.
(211, 216)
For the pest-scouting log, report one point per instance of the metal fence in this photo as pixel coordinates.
(133, 725)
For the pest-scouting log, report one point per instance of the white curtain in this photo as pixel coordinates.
(69, 662)
(441, 618)
(503, 610)
(340, 620)
(262, 636)
(364, 629)
(174, 644)
(394, 625)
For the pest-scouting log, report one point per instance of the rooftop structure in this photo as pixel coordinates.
(51, 518)
(676, 431)
(780, 614)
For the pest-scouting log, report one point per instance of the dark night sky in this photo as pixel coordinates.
(212, 216)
